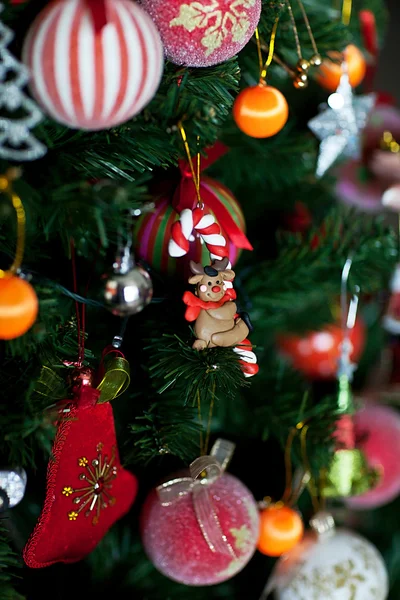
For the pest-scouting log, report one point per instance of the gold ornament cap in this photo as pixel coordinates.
(323, 523)
(316, 60)
(300, 83)
(303, 64)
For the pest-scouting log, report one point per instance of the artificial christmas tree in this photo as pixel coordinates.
(187, 174)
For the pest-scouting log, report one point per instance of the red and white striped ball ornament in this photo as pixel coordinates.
(91, 77)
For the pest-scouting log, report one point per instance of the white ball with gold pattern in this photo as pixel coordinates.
(330, 564)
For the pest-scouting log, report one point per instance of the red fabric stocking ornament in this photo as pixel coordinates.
(87, 489)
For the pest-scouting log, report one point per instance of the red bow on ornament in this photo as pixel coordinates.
(194, 218)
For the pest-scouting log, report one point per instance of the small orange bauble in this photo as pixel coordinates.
(330, 72)
(260, 111)
(281, 528)
(18, 307)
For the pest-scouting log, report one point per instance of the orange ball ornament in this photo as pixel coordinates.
(330, 72)
(260, 111)
(281, 528)
(18, 307)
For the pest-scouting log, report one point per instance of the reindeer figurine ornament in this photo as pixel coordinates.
(214, 311)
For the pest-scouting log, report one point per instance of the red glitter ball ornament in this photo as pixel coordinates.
(174, 542)
(200, 33)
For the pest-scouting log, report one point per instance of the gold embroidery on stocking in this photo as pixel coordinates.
(96, 495)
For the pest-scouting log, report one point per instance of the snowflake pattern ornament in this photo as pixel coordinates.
(218, 24)
(333, 564)
(16, 139)
(201, 33)
(339, 126)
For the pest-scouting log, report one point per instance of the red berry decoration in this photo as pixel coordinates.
(317, 354)
(281, 528)
(174, 541)
(260, 111)
(91, 78)
(200, 33)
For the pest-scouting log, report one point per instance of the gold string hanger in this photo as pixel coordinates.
(6, 187)
(346, 11)
(196, 177)
(303, 65)
(264, 66)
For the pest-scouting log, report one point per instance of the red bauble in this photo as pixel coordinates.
(317, 354)
(87, 489)
(200, 33)
(88, 78)
(377, 430)
(174, 542)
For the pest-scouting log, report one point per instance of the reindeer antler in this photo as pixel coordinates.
(196, 268)
(220, 265)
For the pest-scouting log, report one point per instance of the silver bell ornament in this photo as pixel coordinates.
(129, 289)
(12, 487)
(330, 564)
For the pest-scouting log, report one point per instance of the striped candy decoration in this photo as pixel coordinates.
(201, 222)
(153, 233)
(91, 79)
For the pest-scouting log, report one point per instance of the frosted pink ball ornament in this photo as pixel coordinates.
(377, 430)
(174, 541)
(88, 77)
(201, 33)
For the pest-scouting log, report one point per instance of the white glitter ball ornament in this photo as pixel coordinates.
(330, 564)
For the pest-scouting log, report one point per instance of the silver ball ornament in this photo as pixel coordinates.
(129, 289)
(128, 293)
(12, 487)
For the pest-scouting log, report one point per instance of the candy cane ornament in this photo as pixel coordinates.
(202, 223)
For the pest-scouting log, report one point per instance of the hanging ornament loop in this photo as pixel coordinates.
(6, 188)
(195, 176)
(204, 471)
(346, 11)
(264, 67)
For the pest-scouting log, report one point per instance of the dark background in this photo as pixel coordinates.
(388, 76)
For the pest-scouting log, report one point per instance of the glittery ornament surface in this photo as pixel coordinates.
(377, 430)
(341, 566)
(13, 482)
(339, 127)
(201, 33)
(19, 114)
(174, 542)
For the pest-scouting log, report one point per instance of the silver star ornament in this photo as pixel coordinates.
(339, 126)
